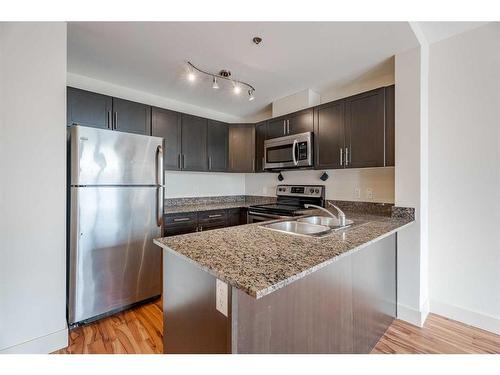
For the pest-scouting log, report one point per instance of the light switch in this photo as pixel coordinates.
(221, 296)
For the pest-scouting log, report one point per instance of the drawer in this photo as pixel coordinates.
(212, 216)
(181, 218)
(174, 230)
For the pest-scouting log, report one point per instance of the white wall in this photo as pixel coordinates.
(464, 197)
(341, 185)
(203, 184)
(412, 242)
(33, 187)
(295, 102)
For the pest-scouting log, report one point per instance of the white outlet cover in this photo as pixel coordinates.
(369, 193)
(221, 296)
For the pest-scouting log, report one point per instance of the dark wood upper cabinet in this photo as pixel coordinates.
(217, 146)
(88, 109)
(293, 123)
(242, 148)
(276, 127)
(365, 129)
(131, 117)
(167, 124)
(329, 135)
(389, 126)
(260, 137)
(194, 143)
(300, 122)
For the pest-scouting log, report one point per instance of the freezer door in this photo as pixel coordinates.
(113, 261)
(107, 157)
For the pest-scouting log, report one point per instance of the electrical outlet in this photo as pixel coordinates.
(369, 193)
(221, 296)
(357, 193)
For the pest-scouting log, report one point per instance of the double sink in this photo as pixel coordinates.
(315, 226)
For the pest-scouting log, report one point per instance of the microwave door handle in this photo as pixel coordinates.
(294, 147)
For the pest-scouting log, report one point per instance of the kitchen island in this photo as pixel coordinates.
(248, 289)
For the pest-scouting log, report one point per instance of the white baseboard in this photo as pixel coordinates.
(413, 316)
(41, 345)
(472, 318)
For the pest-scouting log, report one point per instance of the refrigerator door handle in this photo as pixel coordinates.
(159, 182)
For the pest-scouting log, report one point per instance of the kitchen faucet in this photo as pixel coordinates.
(341, 215)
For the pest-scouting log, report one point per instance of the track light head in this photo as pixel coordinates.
(215, 84)
(250, 95)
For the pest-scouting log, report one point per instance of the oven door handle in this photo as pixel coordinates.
(294, 147)
(266, 216)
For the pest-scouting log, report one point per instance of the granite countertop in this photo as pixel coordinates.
(204, 207)
(258, 260)
(185, 205)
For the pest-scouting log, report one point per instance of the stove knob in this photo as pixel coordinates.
(311, 190)
(316, 191)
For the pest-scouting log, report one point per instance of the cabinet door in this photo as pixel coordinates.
(365, 129)
(276, 128)
(389, 126)
(329, 135)
(167, 124)
(242, 148)
(88, 109)
(260, 137)
(233, 217)
(217, 146)
(131, 117)
(300, 122)
(194, 143)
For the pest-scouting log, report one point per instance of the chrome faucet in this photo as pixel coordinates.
(340, 214)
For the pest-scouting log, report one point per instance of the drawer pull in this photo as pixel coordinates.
(182, 219)
(212, 216)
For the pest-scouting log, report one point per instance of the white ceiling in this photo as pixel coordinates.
(151, 56)
(436, 31)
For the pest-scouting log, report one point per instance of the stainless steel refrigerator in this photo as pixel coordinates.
(116, 209)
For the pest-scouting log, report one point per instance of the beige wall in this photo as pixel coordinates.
(341, 185)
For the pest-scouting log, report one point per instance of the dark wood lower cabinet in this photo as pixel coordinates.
(182, 223)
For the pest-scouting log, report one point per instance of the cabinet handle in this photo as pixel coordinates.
(253, 165)
(209, 163)
(288, 126)
(179, 161)
(284, 127)
(201, 228)
(182, 219)
(341, 156)
(212, 216)
(116, 121)
(346, 156)
(109, 120)
(183, 160)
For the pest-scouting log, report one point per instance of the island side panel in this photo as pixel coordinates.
(191, 321)
(310, 315)
(373, 292)
(344, 307)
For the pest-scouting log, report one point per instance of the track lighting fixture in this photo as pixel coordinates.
(215, 85)
(221, 75)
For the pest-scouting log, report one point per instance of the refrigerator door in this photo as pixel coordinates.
(107, 157)
(113, 261)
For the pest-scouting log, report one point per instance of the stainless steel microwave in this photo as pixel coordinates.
(292, 151)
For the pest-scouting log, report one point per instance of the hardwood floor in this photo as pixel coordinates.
(139, 330)
(439, 335)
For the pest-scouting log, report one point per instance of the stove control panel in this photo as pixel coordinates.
(313, 191)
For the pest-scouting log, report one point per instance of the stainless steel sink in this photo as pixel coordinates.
(326, 221)
(300, 228)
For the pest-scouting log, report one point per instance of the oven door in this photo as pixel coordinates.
(293, 151)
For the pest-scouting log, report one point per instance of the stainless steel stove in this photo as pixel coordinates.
(290, 202)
